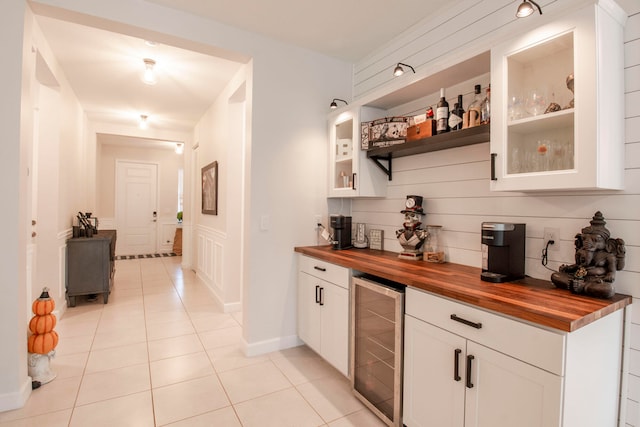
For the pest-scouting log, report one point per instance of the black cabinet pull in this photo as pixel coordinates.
(469, 361)
(321, 296)
(353, 181)
(493, 167)
(317, 294)
(319, 268)
(456, 364)
(477, 325)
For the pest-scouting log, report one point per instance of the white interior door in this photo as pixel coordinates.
(136, 207)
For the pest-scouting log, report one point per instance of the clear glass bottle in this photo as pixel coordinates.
(474, 109)
(485, 108)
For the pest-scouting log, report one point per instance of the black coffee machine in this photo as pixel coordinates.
(502, 251)
(341, 231)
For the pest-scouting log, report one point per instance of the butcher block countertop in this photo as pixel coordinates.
(532, 300)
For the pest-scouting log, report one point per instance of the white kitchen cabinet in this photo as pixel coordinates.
(351, 174)
(579, 147)
(465, 367)
(323, 310)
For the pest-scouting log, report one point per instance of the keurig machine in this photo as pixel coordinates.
(502, 251)
(341, 231)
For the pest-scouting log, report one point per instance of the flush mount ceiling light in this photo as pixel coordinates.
(143, 121)
(526, 8)
(149, 76)
(333, 105)
(398, 71)
(179, 148)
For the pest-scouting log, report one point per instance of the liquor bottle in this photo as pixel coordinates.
(442, 114)
(455, 118)
(475, 108)
(485, 108)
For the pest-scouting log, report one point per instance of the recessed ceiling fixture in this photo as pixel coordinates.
(149, 76)
(526, 8)
(398, 71)
(144, 124)
(333, 105)
(179, 148)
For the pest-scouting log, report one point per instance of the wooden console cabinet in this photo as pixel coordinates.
(90, 265)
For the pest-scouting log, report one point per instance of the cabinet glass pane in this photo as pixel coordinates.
(344, 155)
(540, 115)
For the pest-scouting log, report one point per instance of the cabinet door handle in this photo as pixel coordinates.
(319, 268)
(476, 325)
(321, 296)
(353, 181)
(493, 167)
(469, 362)
(456, 364)
(317, 294)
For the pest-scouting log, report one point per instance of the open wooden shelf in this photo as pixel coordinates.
(460, 138)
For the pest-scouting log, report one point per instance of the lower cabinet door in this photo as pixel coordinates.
(309, 310)
(507, 392)
(334, 332)
(434, 376)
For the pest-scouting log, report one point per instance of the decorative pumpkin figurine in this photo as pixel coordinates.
(43, 339)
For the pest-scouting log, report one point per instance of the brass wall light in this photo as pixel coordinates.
(333, 105)
(398, 71)
(526, 8)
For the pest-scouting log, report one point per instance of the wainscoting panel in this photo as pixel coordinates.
(210, 261)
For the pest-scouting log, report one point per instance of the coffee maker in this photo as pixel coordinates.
(341, 231)
(502, 251)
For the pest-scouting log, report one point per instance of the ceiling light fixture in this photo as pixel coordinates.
(333, 105)
(179, 148)
(149, 76)
(526, 8)
(398, 71)
(144, 124)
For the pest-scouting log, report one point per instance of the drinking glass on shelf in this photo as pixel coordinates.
(516, 108)
(543, 150)
(536, 103)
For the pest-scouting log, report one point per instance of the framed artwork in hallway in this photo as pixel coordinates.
(210, 189)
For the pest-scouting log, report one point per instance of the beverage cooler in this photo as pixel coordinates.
(377, 311)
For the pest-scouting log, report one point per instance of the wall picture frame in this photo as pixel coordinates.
(210, 189)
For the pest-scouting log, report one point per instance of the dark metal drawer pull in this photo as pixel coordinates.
(477, 325)
(456, 364)
(469, 361)
(320, 268)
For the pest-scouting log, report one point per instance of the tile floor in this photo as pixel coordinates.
(162, 353)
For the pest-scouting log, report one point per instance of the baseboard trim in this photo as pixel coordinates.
(18, 399)
(267, 346)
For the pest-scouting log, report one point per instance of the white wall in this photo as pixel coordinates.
(455, 182)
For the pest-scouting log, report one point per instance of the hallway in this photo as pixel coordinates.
(162, 352)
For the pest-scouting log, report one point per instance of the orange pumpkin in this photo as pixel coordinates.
(44, 304)
(42, 343)
(42, 324)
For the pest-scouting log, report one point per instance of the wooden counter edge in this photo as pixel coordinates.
(541, 304)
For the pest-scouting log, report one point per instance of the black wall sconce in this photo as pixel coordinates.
(526, 8)
(398, 71)
(333, 105)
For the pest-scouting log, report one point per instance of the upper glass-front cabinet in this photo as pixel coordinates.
(351, 174)
(558, 104)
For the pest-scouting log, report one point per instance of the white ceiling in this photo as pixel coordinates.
(104, 68)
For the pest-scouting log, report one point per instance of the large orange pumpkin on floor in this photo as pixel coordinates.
(42, 343)
(42, 324)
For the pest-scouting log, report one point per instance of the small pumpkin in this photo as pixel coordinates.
(42, 343)
(44, 304)
(42, 324)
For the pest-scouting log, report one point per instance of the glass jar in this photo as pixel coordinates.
(433, 252)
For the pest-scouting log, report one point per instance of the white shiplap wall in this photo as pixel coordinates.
(455, 183)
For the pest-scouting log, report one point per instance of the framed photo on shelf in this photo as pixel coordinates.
(210, 189)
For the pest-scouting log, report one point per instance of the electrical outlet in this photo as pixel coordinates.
(551, 234)
(317, 220)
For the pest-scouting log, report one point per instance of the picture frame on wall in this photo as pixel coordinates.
(210, 189)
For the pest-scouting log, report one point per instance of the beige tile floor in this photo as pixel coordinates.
(162, 353)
